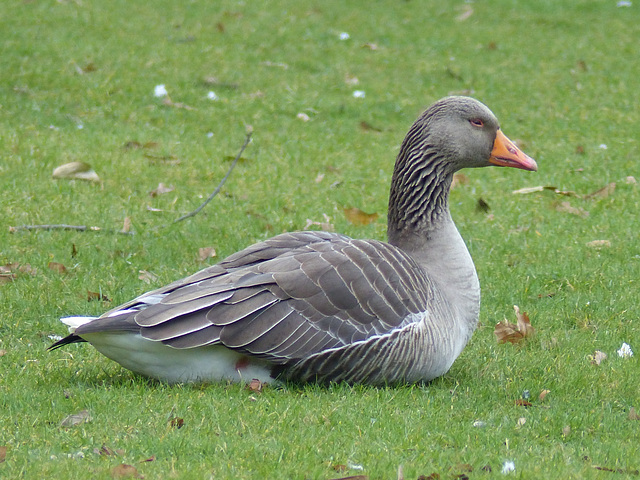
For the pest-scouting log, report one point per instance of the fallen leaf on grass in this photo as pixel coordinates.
(106, 451)
(599, 244)
(125, 471)
(57, 267)
(206, 252)
(3, 453)
(126, 225)
(542, 188)
(166, 159)
(147, 277)
(7, 277)
(628, 471)
(3, 352)
(76, 418)
(566, 207)
(170, 103)
(371, 46)
(603, 192)
(325, 226)
(597, 358)
(459, 179)
(366, 126)
(76, 171)
(92, 296)
(152, 458)
(177, 422)
(514, 333)
(630, 180)
(521, 402)
(135, 145)
(633, 415)
(543, 395)
(566, 431)
(161, 189)
(357, 217)
(468, 11)
(433, 476)
(255, 385)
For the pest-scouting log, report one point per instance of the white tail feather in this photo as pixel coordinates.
(75, 322)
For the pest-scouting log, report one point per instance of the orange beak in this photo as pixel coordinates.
(506, 154)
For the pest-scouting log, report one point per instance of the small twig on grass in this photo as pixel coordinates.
(219, 187)
(81, 228)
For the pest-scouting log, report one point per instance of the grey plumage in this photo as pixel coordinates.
(318, 306)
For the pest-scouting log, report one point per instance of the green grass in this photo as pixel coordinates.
(559, 74)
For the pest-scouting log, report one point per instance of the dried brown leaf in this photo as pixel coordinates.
(599, 244)
(603, 192)
(597, 358)
(371, 46)
(177, 422)
(325, 226)
(57, 267)
(468, 11)
(7, 278)
(161, 189)
(633, 415)
(459, 179)
(566, 207)
(165, 159)
(433, 476)
(147, 277)
(521, 402)
(366, 126)
(76, 171)
(126, 225)
(255, 385)
(74, 250)
(206, 252)
(125, 471)
(3, 352)
(104, 451)
(630, 180)
(92, 296)
(543, 395)
(3, 453)
(514, 333)
(152, 458)
(463, 467)
(170, 103)
(76, 418)
(357, 217)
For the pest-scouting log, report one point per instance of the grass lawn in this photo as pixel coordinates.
(78, 81)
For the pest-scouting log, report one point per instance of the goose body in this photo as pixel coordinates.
(319, 306)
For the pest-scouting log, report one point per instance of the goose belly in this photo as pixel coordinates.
(153, 359)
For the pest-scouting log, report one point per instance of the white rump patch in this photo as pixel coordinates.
(75, 322)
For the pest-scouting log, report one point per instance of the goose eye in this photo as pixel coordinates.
(476, 122)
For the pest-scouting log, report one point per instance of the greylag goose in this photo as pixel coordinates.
(323, 307)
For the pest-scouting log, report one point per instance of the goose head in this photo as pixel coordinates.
(466, 134)
(454, 133)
